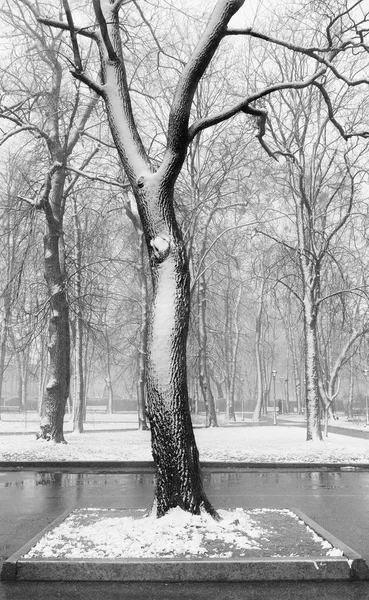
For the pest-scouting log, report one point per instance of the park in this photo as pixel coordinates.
(184, 391)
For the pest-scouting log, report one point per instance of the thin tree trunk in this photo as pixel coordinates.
(311, 374)
(210, 413)
(229, 413)
(256, 416)
(79, 394)
(235, 350)
(142, 351)
(351, 391)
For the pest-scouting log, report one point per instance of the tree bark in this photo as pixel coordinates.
(58, 384)
(174, 448)
(313, 431)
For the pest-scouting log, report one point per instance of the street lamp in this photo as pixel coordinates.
(274, 373)
(366, 371)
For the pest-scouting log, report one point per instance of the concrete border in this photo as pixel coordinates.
(351, 566)
(149, 466)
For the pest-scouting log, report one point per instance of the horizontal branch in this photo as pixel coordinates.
(243, 106)
(61, 25)
(92, 177)
(194, 70)
(11, 134)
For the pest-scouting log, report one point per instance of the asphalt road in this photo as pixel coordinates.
(337, 500)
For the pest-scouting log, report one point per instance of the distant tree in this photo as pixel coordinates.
(36, 108)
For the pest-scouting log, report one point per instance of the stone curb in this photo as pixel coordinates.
(310, 568)
(149, 467)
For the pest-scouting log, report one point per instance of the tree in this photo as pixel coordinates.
(153, 185)
(43, 116)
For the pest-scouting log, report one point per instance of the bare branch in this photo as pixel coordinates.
(64, 26)
(104, 31)
(73, 37)
(243, 106)
(92, 177)
(203, 53)
(327, 100)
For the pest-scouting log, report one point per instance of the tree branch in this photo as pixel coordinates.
(64, 26)
(178, 138)
(104, 31)
(243, 106)
(73, 37)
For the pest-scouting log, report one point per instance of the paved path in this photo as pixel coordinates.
(338, 500)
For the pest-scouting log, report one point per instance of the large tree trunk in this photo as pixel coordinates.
(57, 387)
(178, 477)
(207, 394)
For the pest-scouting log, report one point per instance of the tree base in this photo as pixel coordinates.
(47, 435)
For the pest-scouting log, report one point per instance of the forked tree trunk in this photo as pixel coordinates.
(173, 443)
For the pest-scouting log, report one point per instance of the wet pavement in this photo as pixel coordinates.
(337, 500)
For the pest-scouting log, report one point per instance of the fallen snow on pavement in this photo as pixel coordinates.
(239, 444)
(95, 533)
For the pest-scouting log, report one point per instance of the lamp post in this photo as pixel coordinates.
(274, 373)
(366, 371)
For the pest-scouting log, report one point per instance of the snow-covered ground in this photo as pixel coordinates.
(105, 533)
(283, 443)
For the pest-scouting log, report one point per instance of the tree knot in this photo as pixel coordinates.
(161, 247)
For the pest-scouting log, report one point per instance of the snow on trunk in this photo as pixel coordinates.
(173, 443)
(313, 431)
(57, 387)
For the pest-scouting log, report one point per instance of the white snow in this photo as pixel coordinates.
(176, 535)
(229, 443)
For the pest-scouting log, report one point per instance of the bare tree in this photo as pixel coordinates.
(41, 116)
(153, 184)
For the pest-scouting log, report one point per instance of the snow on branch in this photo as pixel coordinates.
(64, 26)
(194, 70)
(244, 106)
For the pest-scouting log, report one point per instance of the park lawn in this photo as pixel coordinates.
(264, 444)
